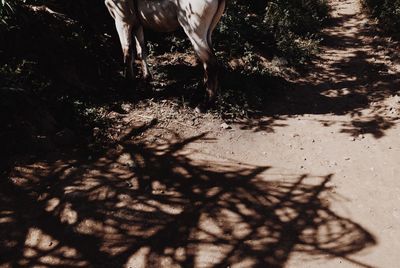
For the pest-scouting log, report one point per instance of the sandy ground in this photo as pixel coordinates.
(315, 185)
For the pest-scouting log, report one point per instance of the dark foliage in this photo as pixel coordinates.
(289, 27)
(388, 14)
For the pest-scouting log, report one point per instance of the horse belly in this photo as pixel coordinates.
(159, 15)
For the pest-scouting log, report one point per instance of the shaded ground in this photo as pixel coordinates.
(311, 179)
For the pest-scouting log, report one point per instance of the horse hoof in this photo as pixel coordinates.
(198, 110)
(201, 108)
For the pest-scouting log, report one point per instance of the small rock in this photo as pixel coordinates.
(225, 126)
(352, 138)
(361, 136)
(347, 158)
(126, 160)
(126, 107)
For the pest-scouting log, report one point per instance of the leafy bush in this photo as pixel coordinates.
(285, 27)
(387, 12)
(290, 26)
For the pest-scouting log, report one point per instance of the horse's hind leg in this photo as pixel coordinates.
(215, 20)
(142, 52)
(199, 30)
(124, 20)
(209, 61)
(125, 36)
(210, 65)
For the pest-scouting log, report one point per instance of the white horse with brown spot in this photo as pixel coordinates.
(198, 19)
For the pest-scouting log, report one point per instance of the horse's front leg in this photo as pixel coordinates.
(142, 52)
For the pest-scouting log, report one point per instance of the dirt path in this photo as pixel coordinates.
(349, 133)
(314, 185)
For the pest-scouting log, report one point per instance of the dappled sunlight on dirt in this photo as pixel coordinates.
(357, 76)
(357, 73)
(152, 205)
(304, 173)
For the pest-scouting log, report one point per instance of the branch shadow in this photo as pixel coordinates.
(354, 76)
(153, 205)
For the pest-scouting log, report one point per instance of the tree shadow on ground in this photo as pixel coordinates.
(151, 205)
(353, 76)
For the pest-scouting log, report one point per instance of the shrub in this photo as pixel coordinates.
(290, 26)
(388, 14)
